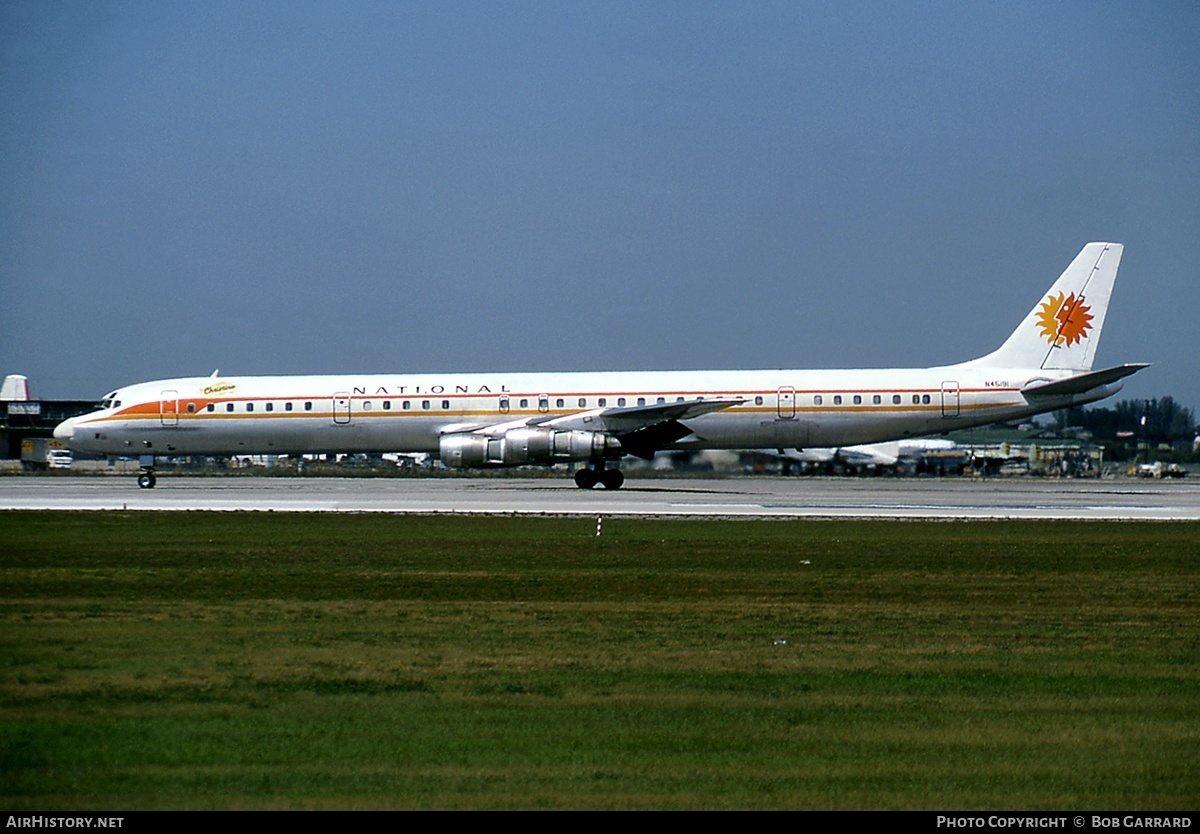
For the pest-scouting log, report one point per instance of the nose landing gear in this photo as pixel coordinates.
(146, 480)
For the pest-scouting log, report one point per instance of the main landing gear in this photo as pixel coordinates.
(588, 477)
(146, 480)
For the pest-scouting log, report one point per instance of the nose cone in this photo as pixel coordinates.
(65, 431)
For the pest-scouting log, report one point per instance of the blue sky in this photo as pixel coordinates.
(323, 187)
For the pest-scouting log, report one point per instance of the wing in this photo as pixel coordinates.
(642, 429)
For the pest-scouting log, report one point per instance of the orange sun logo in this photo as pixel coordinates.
(1064, 321)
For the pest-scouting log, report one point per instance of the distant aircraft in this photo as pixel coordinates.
(869, 454)
(15, 388)
(510, 419)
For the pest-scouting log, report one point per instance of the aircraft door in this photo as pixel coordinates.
(787, 402)
(168, 408)
(341, 407)
(950, 399)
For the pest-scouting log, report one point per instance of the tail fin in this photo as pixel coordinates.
(1062, 331)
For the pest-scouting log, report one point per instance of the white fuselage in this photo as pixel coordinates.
(399, 413)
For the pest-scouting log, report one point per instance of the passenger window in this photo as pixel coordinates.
(445, 405)
(249, 406)
(524, 403)
(405, 405)
(837, 399)
(560, 402)
(210, 407)
(191, 408)
(895, 399)
(387, 405)
(229, 406)
(582, 402)
(270, 406)
(876, 399)
(602, 402)
(287, 406)
(662, 400)
(857, 399)
(925, 399)
(543, 404)
(758, 400)
(620, 402)
(817, 400)
(641, 400)
(425, 404)
(308, 405)
(504, 405)
(916, 399)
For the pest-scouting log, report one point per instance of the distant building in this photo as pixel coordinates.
(23, 418)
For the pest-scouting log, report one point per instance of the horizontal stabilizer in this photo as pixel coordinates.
(1083, 382)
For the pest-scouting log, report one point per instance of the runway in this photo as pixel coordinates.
(911, 498)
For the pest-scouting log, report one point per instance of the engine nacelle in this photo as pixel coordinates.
(528, 444)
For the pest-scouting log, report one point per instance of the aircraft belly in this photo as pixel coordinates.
(409, 434)
(738, 431)
(265, 436)
(785, 433)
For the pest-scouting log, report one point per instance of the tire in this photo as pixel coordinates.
(612, 478)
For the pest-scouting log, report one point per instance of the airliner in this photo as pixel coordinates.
(594, 419)
(869, 454)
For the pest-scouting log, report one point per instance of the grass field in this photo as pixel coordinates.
(260, 660)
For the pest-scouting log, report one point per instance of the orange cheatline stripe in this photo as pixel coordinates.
(145, 414)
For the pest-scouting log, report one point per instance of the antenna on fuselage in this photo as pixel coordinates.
(214, 373)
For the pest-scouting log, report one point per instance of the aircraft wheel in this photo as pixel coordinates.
(585, 478)
(147, 480)
(612, 478)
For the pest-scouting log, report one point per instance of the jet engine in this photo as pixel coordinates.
(528, 444)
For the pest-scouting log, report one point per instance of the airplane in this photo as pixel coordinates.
(596, 418)
(881, 455)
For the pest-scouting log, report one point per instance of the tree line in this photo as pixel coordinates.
(1134, 422)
